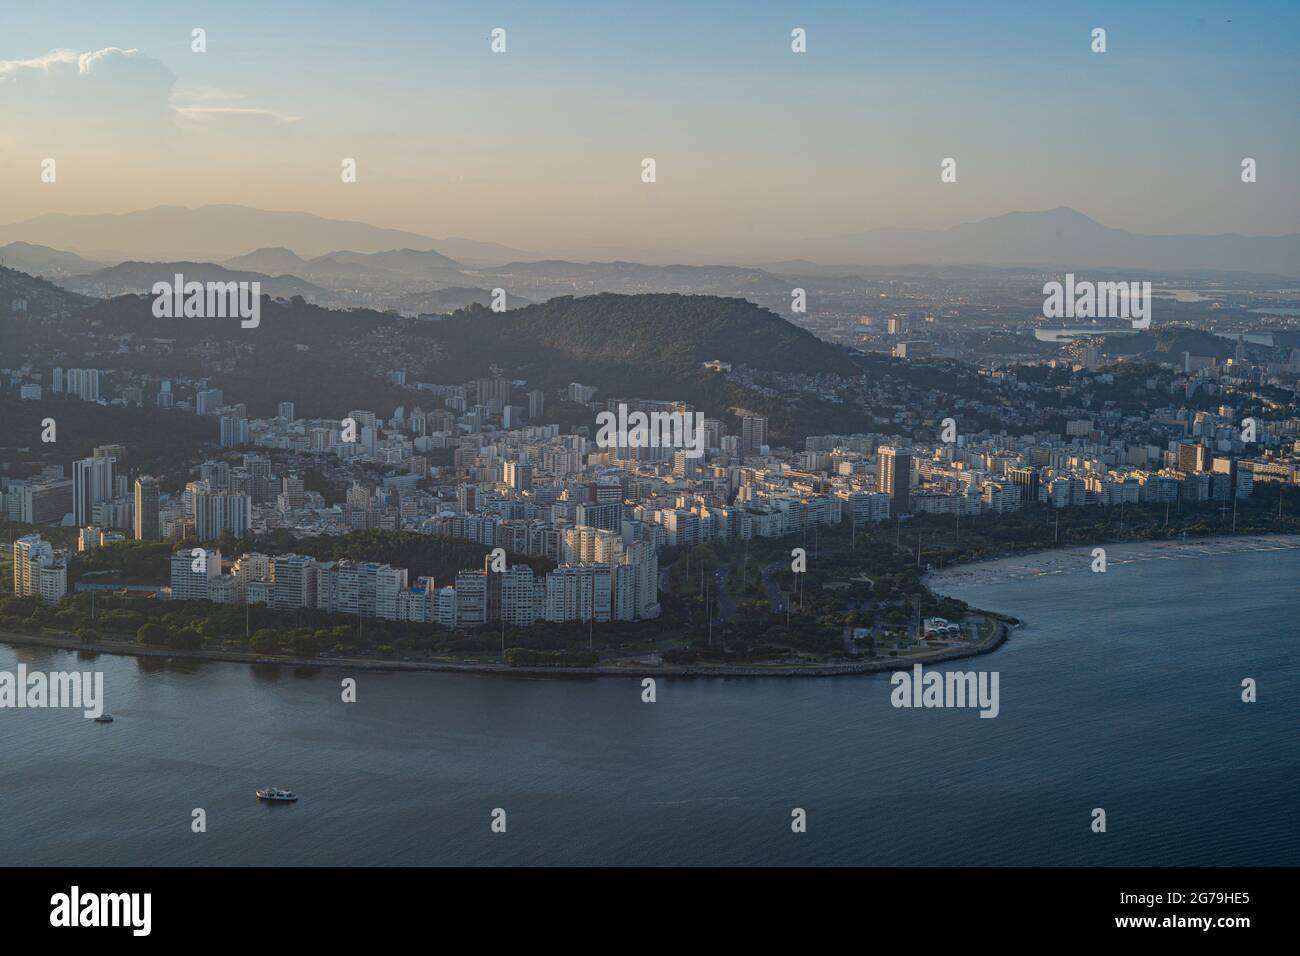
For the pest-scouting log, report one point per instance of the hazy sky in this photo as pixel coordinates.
(543, 144)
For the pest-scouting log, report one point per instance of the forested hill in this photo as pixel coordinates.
(651, 346)
(654, 331)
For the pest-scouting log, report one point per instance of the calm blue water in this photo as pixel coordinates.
(1122, 693)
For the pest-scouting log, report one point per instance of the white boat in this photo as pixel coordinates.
(276, 795)
(104, 719)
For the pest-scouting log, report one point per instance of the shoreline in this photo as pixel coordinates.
(870, 666)
(1010, 567)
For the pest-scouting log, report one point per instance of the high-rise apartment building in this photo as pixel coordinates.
(753, 434)
(606, 516)
(39, 570)
(146, 509)
(92, 482)
(1193, 457)
(83, 382)
(40, 501)
(293, 488)
(896, 476)
(190, 573)
(293, 581)
(217, 511)
(519, 475)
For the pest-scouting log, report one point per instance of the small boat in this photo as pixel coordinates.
(104, 719)
(276, 795)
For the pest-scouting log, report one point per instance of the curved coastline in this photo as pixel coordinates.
(1035, 563)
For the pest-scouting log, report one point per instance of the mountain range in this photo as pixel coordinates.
(139, 277)
(391, 270)
(43, 261)
(208, 233)
(1060, 238)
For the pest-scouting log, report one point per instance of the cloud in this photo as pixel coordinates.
(202, 113)
(207, 94)
(63, 63)
(103, 85)
(69, 89)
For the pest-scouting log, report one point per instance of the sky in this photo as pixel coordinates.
(543, 144)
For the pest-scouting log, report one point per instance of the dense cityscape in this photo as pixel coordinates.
(480, 461)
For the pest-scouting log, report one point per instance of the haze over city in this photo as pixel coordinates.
(540, 148)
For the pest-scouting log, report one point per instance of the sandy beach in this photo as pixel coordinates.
(1078, 559)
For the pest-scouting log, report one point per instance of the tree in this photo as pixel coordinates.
(151, 633)
(186, 639)
(305, 645)
(121, 620)
(265, 641)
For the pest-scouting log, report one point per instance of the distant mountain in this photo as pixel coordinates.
(138, 278)
(44, 261)
(271, 261)
(212, 233)
(404, 261)
(1059, 238)
(805, 267)
(471, 252)
(392, 271)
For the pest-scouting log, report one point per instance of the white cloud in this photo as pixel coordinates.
(126, 83)
(234, 112)
(107, 87)
(61, 60)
